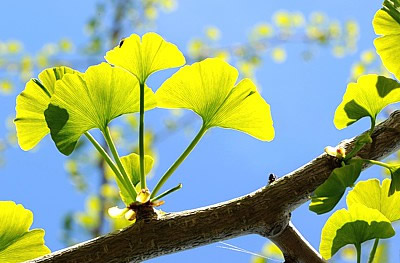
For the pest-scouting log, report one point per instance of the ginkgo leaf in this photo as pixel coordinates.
(116, 212)
(146, 56)
(31, 104)
(327, 195)
(387, 24)
(208, 88)
(366, 98)
(131, 164)
(394, 170)
(92, 100)
(373, 195)
(353, 226)
(17, 242)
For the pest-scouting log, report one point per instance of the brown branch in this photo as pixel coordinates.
(265, 211)
(296, 248)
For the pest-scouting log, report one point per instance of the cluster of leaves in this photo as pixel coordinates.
(25, 65)
(67, 104)
(17, 65)
(371, 207)
(177, 119)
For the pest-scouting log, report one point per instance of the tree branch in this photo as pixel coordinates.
(265, 212)
(295, 246)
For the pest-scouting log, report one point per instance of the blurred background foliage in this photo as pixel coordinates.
(114, 19)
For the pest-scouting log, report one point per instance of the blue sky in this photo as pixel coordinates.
(226, 164)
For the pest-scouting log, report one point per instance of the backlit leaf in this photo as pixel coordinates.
(353, 226)
(327, 195)
(208, 88)
(373, 195)
(395, 175)
(31, 104)
(146, 56)
(366, 98)
(131, 164)
(92, 100)
(387, 24)
(17, 242)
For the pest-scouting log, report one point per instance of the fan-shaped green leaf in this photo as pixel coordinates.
(395, 175)
(371, 194)
(387, 24)
(17, 242)
(353, 226)
(207, 88)
(92, 100)
(142, 58)
(31, 104)
(327, 195)
(131, 164)
(366, 98)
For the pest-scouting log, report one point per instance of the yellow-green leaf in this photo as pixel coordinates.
(208, 88)
(394, 170)
(131, 164)
(373, 195)
(327, 195)
(353, 226)
(387, 24)
(31, 104)
(92, 100)
(17, 242)
(146, 56)
(366, 98)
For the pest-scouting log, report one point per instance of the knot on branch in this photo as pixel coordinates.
(271, 229)
(146, 213)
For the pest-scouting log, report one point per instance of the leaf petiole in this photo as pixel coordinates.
(353, 152)
(358, 248)
(372, 125)
(373, 251)
(107, 158)
(170, 191)
(178, 162)
(376, 163)
(130, 188)
(141, 139)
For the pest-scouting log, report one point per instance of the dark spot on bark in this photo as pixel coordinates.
(271, 178)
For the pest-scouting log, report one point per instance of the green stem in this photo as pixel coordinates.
(358, 248)
(131, 188)
(359, 145)
(107, 158)
(354, 151)
(181, 158)
(373, 251)
(372, 126)
(376, 163)
(141, 139)
(170, 191)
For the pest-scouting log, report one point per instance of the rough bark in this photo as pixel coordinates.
(296, 247)
(265, 212)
